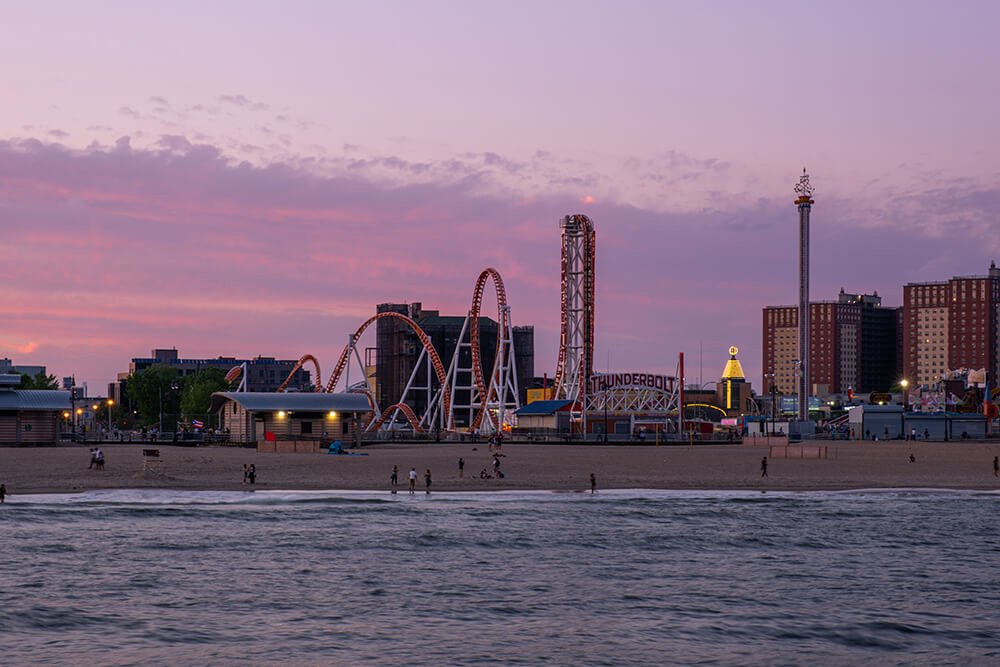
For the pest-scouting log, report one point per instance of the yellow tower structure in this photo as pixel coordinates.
(732, 381)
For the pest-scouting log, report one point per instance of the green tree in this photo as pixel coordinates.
(38, 381)
(156, 391)
(198, 390)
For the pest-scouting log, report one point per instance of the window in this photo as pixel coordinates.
(307, 427)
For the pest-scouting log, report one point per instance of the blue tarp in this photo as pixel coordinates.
(337, 447)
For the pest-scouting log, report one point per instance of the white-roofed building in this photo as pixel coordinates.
(280, 421)
(31, 416)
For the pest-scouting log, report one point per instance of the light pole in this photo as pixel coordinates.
(110, 403)
(905, 384)
(770, 389)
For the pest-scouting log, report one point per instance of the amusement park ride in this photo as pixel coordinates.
(493, 398)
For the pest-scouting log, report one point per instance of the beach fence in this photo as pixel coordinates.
(151, 459)
(798, 451)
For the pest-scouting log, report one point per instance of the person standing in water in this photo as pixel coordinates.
(394, 478)
(3, 492)
(427, 480)
(413, 480)
(593, 483)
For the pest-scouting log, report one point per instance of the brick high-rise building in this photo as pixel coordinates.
(950, 325)
(851, 345)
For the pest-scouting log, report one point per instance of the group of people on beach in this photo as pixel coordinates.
(394, 480)
(96, 459)
(394, 476)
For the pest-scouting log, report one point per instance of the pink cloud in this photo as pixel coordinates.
(119, 250)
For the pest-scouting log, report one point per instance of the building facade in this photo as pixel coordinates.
(264, 374)
(852, 346)
(949, 325)
(7, 366)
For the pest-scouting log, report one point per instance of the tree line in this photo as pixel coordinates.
(161, 390)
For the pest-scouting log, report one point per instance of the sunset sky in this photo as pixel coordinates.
(244, 178)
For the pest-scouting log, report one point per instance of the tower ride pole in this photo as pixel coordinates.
(804, 204)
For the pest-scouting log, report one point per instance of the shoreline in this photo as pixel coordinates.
(850, 466)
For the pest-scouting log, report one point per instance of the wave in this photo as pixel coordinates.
(145, 497)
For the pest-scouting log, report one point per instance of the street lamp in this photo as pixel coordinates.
(770, 389)
(110, 403)
(905, 384)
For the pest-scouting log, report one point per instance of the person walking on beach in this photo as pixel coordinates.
(98, 459)
(93, 458)
(763, 467)
(394, 478)
(3, 492)
(252, 475)
(413, 480)
(246, 473)
(461, 467)
(427, 480)
(996, 466)
(593, 483)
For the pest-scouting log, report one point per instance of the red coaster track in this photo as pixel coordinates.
(424, 340)
(407, 412)
(303, 360)
(474, 340)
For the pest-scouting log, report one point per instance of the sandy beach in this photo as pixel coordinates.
(27, 470)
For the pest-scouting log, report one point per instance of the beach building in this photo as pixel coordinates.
(31, 416)
(544, 417)
(890, 422)
(281, 421)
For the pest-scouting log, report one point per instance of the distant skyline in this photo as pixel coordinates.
(252, 178)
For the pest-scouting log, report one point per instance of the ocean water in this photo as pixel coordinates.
(621, 577)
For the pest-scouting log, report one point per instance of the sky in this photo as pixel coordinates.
(252, 178)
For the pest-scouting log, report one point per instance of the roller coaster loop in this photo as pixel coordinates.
(407, 412)
(303, 360)
(477, 357)
(424, 340)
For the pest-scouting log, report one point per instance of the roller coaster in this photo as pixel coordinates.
(493, 398)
